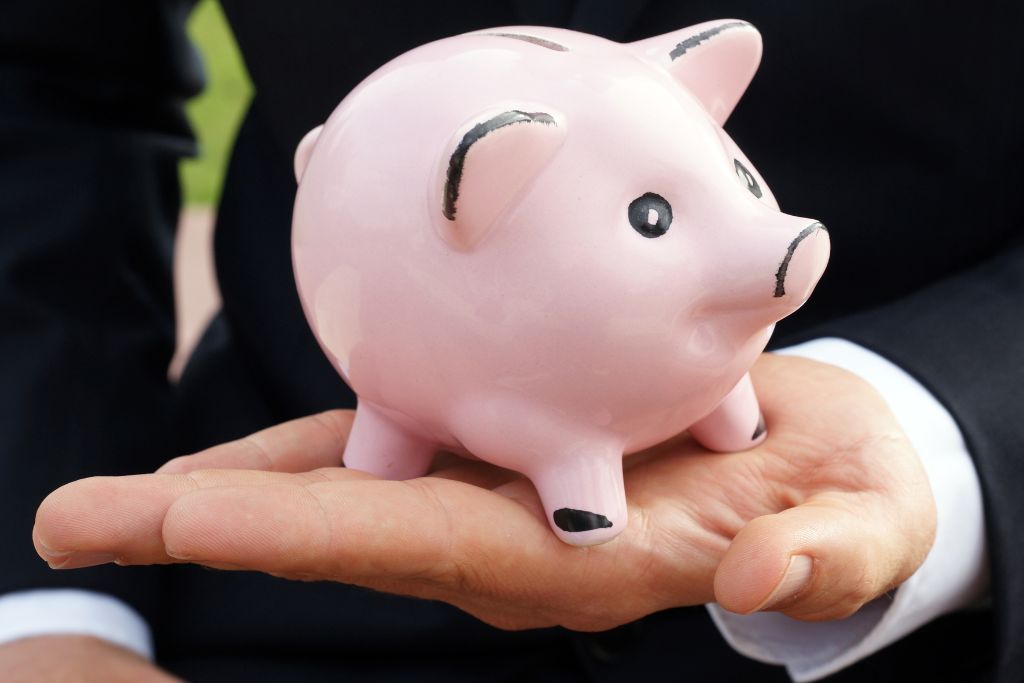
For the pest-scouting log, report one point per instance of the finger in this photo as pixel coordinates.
(95, 520)
(346, 531)
(135, 519)
(299, 445)
(430, 537)
(106, 519)
(823, 559)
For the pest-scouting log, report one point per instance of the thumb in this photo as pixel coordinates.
(821, 560)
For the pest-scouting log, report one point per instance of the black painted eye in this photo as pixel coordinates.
(650, 215)
(748, 178)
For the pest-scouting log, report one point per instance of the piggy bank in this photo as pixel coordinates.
(539, 248)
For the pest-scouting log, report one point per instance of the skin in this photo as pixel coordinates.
(835, 481)
(82, 659)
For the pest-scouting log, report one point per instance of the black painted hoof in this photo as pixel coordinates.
(568, 519)
(760, 429)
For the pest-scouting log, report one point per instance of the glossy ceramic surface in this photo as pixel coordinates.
(540, 248)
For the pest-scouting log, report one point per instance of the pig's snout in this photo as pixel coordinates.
(803, 263)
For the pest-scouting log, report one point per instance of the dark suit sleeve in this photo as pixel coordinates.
(963, 338)
(91, 130)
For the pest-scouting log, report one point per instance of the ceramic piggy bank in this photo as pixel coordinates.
(539, 248)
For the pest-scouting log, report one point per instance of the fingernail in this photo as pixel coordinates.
(74, 560)
(795, 580)
(50, 556)
(50, 552)
(177, 554)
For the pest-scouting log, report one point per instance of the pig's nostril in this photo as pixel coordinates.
(780, 274)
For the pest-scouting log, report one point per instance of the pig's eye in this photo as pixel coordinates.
(650, 215)
(748, 179)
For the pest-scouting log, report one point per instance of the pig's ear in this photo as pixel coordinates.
(304, 150)
(715, 60)
(487, 163)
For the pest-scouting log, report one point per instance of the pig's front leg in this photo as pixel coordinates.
(378, 445)
(736, 424)
(576, 470)
(583, 494)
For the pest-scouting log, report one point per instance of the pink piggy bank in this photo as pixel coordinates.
(539, 248)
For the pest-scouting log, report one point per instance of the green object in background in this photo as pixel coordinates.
(217, 112)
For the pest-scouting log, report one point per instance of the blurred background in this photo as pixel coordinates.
(215, 116)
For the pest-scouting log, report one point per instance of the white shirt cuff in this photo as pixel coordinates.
(954, 574)
(72, 611)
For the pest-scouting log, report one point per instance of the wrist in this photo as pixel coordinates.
(73, 612)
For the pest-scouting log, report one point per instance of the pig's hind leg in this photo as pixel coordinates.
(736, 424)
(379, 445)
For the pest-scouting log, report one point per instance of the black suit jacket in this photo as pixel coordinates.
(897, 125)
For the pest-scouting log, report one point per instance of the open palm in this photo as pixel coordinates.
(830, 511)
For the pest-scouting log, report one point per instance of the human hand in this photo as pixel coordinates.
(75, 659)
(835, 494)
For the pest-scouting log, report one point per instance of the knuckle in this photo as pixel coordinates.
(435, 555)
(337, 423)
(255, 445)
(842, 596)
(590, 621)
(198, 479)
(508, 620)
(325, 538)
(317, 476)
